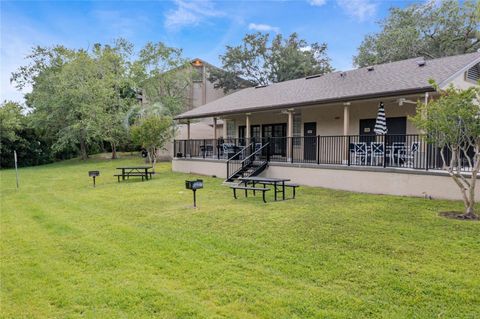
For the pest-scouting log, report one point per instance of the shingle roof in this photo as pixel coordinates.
(385, 79)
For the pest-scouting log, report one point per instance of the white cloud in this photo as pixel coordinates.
(317, 3)
(263, 27)
(117, 23)
(360, 9)
(18, 38)
(190, 13)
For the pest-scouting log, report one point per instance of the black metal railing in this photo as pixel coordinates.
(411, 151)
(244, 159)
(236, 162)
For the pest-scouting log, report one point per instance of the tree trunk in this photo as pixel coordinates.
(470, 205)
(154, 158)
(469, 213)
(83, 149)
(114, 150)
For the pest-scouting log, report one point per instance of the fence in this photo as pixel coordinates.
(404, 151)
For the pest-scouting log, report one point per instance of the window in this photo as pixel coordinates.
(230, 129)
(473, 74)
(297, 129)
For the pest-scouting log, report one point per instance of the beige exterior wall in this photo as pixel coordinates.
(201, 167)
(198, 130)
(460, 82)
(374, 182)
(199, 93)
(329, 118)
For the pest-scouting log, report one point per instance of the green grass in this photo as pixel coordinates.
(138, 250)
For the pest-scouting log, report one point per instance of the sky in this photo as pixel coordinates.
(201, 28)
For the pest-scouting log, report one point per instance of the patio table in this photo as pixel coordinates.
(267, 180)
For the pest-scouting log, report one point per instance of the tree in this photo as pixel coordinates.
(163, 76)
(258, 62)
(17, 134)
(66, 102)
(79, 97)
(10, 121)
(452, 122)
(119, 94)
(152, 132)
(430, 29)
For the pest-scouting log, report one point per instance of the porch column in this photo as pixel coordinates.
(224, 129)
(346, 131)
(214, 128)
(247, 127)
(289, 135)
(346, 118)
(188, 129)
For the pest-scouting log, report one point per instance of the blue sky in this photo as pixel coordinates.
(201, 28)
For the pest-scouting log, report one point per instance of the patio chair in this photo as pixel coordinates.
(360, 153)
(209, 150)
(407, 155)
(228, 150)
(377, 153)
(397, 148)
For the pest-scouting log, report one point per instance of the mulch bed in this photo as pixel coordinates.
(456, 215)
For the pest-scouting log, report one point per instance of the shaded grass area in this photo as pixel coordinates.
(138, 250)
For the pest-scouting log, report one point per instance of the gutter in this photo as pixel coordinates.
(315, 102)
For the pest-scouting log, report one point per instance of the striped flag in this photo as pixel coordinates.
(380, 123)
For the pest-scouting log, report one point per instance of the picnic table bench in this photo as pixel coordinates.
(141, 171)
(246, 188)
(279, 186)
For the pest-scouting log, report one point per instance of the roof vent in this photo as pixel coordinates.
(370, 68)
(421, 63)
(313, 76)
(261, 86)
(343, 74)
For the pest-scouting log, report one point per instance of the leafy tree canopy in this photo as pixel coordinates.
(82, 97)
(432, 29)
(453, 123)
(259, 61)
(152, 133)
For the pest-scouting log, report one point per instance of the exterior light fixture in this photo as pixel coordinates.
(197, 63)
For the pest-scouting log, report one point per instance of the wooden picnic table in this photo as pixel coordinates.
(128, 171)
(267, 180)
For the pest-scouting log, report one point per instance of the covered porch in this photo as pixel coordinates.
(334, 134)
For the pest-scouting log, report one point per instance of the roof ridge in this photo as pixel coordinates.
(396, 77)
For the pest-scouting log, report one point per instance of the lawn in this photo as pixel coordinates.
(138, 250)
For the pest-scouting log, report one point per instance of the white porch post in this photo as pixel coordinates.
(224, 128)
(346, 118)
(247, 127)
(346, 130)
(289, 135)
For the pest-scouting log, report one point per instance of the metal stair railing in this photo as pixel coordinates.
(248, 160)
(234, 161)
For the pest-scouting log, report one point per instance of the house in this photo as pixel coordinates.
(199, 92)
(319, 130)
